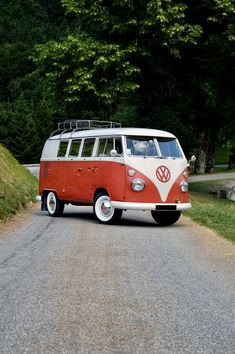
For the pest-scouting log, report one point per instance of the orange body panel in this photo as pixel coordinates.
(78, 180)
(175, 195)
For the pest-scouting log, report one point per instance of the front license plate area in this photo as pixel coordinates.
(165, 207)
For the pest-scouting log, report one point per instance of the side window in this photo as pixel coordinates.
(88, 147)
(74, 149)
(105, 146)
(62, 149)
(108, 144)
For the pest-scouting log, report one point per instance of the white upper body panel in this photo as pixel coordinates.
(51, 146)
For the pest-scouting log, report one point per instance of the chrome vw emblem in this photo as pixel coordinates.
(163, 174)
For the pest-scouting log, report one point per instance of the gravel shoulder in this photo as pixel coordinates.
(17, 221)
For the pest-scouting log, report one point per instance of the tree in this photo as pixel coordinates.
(150, 63)
(82, 69)
(21, 133)
(213, 80)
(25, 102)
(104, 59)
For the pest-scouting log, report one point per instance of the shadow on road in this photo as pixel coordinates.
(127, 219)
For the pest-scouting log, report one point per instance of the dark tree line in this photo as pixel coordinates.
(148, 63)
(26, 104)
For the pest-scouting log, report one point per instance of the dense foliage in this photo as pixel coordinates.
(157, 63)
(26, 106)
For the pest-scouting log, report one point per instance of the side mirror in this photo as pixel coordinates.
(113, 153)
(193, 159)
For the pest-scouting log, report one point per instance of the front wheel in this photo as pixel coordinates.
(55, 207)
(165, 218)
(104, 211)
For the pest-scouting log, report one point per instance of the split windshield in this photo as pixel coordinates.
(152, 146)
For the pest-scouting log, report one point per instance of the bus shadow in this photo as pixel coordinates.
(126, 220)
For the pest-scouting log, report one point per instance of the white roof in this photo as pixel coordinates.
(113, 131)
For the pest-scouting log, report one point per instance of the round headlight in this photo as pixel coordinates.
(184, 186)
(137, 184)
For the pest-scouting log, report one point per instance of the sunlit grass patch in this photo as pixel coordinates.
(211, 211)
(18, 188)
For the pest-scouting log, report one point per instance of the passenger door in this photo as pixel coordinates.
(81, 183)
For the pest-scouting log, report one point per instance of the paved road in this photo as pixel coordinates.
(212, 176)
(34, 169)
(70, 285)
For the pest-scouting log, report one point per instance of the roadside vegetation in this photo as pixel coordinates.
(211, 211)
(216, 169)
(18, 188)
(222, 169)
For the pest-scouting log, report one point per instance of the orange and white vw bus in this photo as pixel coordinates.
(114, 169)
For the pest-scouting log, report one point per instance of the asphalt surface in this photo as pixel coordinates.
(70, 285)
(212, 177)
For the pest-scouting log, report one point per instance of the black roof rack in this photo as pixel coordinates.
(71, 125)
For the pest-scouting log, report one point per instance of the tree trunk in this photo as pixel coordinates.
(210, 158)
(211, 147)
(201, 155)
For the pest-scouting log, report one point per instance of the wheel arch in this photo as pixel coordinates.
(99, 191)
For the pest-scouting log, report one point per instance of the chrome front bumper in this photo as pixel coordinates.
(151, 206)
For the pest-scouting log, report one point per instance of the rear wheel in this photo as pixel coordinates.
(165, 218)
(104, 211)
(55, 207)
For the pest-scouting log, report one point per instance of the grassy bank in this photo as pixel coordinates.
(211, 211)
(18, 188)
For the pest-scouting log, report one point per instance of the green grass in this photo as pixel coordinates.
(18, 188)
(218, 169)
(211, 211)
